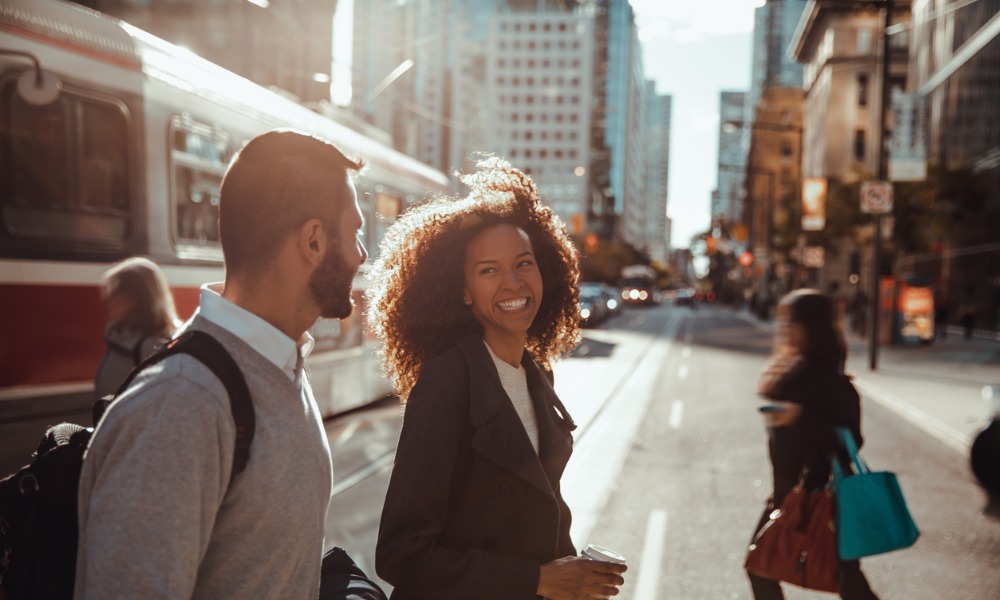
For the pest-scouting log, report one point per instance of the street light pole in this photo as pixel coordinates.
(882, 176)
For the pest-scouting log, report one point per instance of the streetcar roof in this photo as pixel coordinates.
(89, 32)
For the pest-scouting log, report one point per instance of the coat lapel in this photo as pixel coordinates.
(555, 443)
(499, 435)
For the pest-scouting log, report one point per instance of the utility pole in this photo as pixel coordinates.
(882, 176)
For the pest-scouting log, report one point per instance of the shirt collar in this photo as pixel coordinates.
(260, 335)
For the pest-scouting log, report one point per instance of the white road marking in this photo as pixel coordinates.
(652, 557)
(682, 372)
(676, 414)
(686, 353)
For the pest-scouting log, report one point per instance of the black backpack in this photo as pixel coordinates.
(38, 503)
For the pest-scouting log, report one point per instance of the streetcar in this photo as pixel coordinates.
(113, 143)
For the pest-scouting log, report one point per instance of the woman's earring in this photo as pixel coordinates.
(467, 301)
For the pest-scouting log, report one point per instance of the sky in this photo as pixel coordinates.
(694, 49)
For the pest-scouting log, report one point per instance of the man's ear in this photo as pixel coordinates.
(312, 241)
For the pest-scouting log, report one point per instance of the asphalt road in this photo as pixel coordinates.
(670, 466)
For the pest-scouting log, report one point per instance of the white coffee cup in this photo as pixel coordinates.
(595, 552)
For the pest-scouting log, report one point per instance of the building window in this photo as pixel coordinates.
(558, 153)
(501, 63)
(531, 63)
(862, 90)
(859, 144)
(573, 118)
(786, 148)
(543, 153)
(529, 99)
(545, 134)
(529, 117)
(562, 27)
(66, 171)
(527, 153)
(528, 135)
(864, 41)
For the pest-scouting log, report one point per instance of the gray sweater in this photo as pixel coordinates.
(156, 520)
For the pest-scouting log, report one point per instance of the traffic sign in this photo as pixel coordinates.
(876, 197)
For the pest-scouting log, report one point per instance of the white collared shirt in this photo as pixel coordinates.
(260, 335)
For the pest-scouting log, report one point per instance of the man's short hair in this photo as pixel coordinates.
(277, 182)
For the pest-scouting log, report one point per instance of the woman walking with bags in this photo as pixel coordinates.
(805, 379)
(473, 298)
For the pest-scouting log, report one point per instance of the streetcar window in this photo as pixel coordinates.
(200, 155)
(64, 168)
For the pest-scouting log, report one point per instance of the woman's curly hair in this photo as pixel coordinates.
(415, 300)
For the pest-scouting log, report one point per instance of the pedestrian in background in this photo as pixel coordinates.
(969, 311)
(141, 318)
(158, 514)
(473, 299)
(805, 377)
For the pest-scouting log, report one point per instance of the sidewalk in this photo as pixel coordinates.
(937, 386)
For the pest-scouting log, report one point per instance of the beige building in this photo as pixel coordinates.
(838, 45)
(773, 179)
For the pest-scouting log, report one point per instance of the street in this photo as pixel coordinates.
(670, 467)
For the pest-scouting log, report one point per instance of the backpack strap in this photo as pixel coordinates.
(210, 352)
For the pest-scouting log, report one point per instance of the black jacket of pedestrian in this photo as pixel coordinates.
(828, 400)
(472, 511)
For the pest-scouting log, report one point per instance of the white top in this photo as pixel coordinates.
(515, 383)
(260, 335)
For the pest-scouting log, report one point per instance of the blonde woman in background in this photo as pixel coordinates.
(141, 318)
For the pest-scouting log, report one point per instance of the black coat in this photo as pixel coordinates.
(828, 400)
(472, 511)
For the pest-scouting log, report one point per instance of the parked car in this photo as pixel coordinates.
(612, 299)
(588, 312)
(684, 297)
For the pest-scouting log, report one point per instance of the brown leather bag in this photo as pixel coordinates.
(799, 543)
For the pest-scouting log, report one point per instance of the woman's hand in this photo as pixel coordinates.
(578, 578)
(789, 414)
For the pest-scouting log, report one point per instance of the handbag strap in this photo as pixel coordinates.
(847, 439)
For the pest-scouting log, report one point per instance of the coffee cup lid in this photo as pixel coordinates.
(596, 552)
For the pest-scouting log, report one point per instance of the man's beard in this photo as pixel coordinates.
(330, 285)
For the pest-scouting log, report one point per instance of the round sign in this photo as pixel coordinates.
(876, 197)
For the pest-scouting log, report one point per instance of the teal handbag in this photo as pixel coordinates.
(872, 517)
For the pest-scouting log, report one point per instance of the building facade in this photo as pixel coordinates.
(728, 197)
(538, 86)
(838, 45)
(955, 64)
(656, 239)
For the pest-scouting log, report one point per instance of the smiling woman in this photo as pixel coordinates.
(473, 298)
